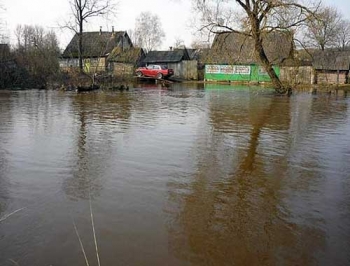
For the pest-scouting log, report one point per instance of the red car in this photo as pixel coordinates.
(154, 71)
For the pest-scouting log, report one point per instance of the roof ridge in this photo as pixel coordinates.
(104, 31)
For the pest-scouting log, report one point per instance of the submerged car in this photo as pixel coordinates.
(154, 71)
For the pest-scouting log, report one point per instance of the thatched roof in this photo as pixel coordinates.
(331, 60)
(95, 44)
(300, 57)
(163, 57)
(234, 48)
(130, 55)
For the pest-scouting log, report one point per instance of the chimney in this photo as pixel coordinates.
(112, 29)
(170, 48)
(100, 30)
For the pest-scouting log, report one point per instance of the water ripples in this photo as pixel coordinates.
(214, 174)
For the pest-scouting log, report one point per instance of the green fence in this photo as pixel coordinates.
(238, 73)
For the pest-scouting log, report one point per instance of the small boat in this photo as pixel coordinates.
(92, 87)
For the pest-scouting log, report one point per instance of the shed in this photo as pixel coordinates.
(177, 59)
(298, 70)
(331, 66)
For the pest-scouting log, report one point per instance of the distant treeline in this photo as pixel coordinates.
(33, 62)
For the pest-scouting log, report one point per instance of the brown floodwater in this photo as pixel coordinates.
(208, 175)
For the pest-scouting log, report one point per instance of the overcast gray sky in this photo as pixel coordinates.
(175, 16)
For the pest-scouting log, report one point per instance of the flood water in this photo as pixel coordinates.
(174, 176)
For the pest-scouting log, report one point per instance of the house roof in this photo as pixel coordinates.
(300, 57)
(229, 48)
(173, 56)
(331, 60)
(193, 53)
(95, 44)
(130, 55)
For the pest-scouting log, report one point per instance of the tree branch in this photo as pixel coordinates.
(244, 6)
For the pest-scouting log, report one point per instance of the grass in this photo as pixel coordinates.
(81, 244)
(76, 231)
(94, 235)
(14, 262)
(10, 214)
(93, 230)
(3, 219)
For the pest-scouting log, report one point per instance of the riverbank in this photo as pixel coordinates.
(116, 83)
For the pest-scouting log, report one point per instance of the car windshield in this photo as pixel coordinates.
(156, 67)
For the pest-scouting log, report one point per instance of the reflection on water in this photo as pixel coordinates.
(235, 206)
(93, 143)
(177, 175)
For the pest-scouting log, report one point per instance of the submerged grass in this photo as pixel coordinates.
(10, 214)
(94, 234)
(76, 232)
(81, 244)
(14, 262)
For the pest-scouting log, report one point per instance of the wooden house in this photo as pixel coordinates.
(232, 56)
(124, 62)
(331, 66)
(96, 48)
(177, 59)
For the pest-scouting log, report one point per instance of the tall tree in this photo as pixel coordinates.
(2, 34)
(257, 18)
(132, 36)
(179, 43)
(37, 52)
(323, 32)
(82, 10)
(344, 34)
(148, 32)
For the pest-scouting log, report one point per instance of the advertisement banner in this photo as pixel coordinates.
(228, 69)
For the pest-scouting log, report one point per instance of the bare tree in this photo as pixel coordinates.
(132, 36)
(197, 44)
(258, 18)
(200, 41)
(148, 32)
(2, 34)
(344, 34)
(28, 36)
(179, 43)
(323, 32)
(82, 10)
(37, 52)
